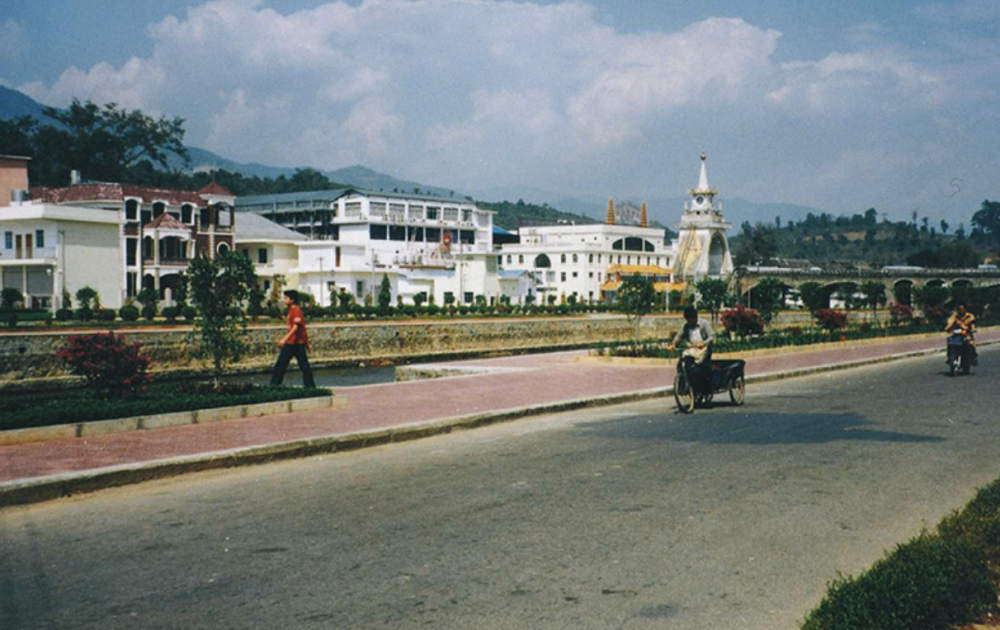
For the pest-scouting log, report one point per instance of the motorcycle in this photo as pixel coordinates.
(725, 376)
(959, 351)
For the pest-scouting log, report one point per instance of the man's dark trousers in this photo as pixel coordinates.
(285, 357)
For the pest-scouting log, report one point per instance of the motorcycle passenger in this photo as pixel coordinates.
(965, 320)
(699, 338)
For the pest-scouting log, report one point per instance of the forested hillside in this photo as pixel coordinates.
(825, 239)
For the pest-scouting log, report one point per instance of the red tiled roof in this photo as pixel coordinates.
(115, 192)
(214, 188)
(167, 222)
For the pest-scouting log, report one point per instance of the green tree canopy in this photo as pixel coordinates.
(636, 298)
(712, 293)
(813, 296)
(103, 142)
(768, 297)
(218, 287)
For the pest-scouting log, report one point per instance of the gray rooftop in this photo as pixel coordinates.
(253, 227)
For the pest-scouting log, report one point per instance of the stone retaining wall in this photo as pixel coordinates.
(26, 357)
(31, 356)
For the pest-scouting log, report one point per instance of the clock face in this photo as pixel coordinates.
(699, 200)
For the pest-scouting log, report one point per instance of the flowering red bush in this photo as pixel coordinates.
(110, 366)
(900, 314)
(742, 321)
(829, 319)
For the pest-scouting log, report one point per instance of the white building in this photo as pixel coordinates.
(114, 238)
(273, 249)
(581, 260)
(423, 244)
(49, 249)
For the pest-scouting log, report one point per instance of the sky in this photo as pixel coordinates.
(840, 106)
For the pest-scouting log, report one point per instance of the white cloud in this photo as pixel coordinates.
(481, 92)
(875, 79)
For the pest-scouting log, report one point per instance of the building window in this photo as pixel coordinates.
(352, 210)
(262, 255)
(158, 208)
(575, 274)
(510, 259)
(562, 258)
(39, 238)
(359, 288)
(131, 245)
(186, 214)
(376, 209)
(562, 276)
(131, 210)
(574, 258)
(467, 215)
(467, 297)
(590, 258)
(451, 214)
(378, 232)
(433, 213)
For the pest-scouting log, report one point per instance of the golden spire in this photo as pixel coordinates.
(611, 211)
(642, 221)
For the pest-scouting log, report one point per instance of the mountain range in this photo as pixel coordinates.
(665, 211)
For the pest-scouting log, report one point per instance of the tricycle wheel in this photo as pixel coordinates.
(737, 390)
(683, 394)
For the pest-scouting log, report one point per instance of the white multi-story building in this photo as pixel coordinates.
(423, 244)
(114, 238)
(582, 261)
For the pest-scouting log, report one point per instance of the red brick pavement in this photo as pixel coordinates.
(498, 384)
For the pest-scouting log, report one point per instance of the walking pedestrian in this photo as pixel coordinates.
(295, 343)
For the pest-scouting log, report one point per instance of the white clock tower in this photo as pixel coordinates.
(702, 248)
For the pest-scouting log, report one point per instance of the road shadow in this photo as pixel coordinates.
(704, 426)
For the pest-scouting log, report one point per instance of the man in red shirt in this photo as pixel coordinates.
(295, 343)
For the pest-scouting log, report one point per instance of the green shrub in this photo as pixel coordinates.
(979, 524)
(170, 313)
(189, 313)
(129, 312)
(64, 315)
(930, 583)
(105, 315)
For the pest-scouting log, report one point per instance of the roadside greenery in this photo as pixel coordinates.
(218, 287)
(19, 410)
(936, 581)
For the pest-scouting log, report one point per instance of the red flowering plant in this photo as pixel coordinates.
(829, 319)
(742, 321)
(109, 365)
(900, 314)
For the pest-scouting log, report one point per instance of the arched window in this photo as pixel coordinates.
(574, 258)
(542, 262)
(223, 247)
(520, 259)
(562, 258)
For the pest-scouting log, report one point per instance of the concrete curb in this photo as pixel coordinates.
(36, 490)
(159, 421)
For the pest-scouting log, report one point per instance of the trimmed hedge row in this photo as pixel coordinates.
(933, 582)
(38, 409)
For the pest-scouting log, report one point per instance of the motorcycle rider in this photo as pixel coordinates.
(965, 320)
(700, 337)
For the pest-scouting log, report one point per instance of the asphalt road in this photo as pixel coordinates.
(621, 517)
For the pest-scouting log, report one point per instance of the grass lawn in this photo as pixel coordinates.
(20, 410)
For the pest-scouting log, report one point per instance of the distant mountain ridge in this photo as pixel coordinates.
(666, 211)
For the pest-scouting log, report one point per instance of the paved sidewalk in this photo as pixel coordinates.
(490, 390)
